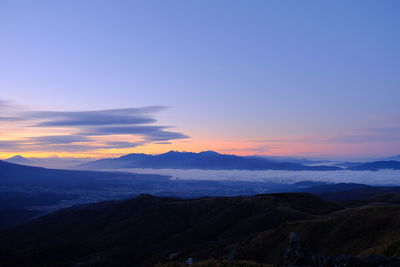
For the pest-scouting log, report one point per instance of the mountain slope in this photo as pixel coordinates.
(26, 191)
(359, 232)
(204, 160)
(23, 176)
(146, 229)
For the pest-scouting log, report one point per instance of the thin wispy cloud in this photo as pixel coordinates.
(9, 145)
(3, 103)
(59, 139)
(127, 116)
(372, 135)
(122, 144)
(85, 130)
(150, 133)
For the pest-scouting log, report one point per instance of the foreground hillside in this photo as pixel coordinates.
(243, 230)
(145, 230)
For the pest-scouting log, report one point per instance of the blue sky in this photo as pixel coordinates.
(309, 78)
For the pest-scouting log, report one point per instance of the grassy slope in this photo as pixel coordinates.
(147, 229)
(374, 230)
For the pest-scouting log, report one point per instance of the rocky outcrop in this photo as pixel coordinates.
(300, 255)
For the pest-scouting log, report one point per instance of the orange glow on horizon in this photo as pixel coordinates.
(284, 147)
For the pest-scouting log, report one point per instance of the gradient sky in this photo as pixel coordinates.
(99, 78)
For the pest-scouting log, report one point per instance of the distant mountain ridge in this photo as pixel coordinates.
(53, 162)
(377, 165)
(209, 160)
(396, 158)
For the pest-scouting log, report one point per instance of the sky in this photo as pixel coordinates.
(105, 78)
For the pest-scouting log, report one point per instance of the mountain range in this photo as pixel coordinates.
(396, 157)
(376, 165)
(49, 162)
(208, 160)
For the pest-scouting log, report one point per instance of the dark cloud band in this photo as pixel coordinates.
(86, 126)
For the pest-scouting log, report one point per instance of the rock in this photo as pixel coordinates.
(298, 254)
(321, 260)
(295, 239)
(232, 254)
(346, 261)
(189, 261)
(173, 255)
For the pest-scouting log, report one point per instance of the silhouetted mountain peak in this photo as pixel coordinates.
(173, 152)
(18, 159)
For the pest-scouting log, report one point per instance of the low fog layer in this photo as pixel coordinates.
(382, 177)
